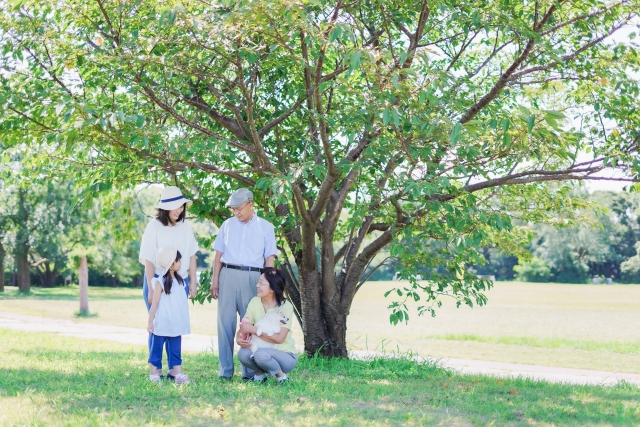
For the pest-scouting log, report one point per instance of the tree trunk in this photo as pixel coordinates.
(2, 252)
(313, 323)
(22, 246)
(83, 280)
(24, 272)
(324, 322)
(325, 300)
(50, 275)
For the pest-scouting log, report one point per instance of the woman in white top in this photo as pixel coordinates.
(169, 229)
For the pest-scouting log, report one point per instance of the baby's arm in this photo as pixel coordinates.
(154, 307)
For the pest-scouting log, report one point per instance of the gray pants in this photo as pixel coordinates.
(268, 359)
(237, 287)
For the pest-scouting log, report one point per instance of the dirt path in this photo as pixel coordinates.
(197, 342)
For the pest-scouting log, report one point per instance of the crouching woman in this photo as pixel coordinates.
(273, 361)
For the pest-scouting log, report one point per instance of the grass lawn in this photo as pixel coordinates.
(578, 326)
(51, 381)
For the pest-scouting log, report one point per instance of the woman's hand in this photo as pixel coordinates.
(150, 327)
(246, 327)
(243, 343)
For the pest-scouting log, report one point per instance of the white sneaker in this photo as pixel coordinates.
(182, 379)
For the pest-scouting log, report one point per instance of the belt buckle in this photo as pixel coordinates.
(245, 268)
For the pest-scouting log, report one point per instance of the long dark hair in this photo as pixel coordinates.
(163, 216)
(167, 276)
(276, 281)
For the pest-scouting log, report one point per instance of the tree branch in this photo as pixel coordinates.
(505, 77)
(151, 94)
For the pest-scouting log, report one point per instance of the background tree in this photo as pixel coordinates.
(44, 219)
(598, 247)
(411, 117)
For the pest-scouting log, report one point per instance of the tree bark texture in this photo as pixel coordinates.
(83, 280)
(24, 272)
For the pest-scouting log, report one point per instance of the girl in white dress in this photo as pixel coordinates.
(168, 317)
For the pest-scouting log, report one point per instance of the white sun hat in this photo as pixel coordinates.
(171, 198)
(165, 258)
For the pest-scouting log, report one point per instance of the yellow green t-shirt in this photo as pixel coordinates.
(255, 311)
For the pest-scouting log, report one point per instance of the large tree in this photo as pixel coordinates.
(360, 125)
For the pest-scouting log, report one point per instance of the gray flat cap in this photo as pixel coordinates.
(238, 197)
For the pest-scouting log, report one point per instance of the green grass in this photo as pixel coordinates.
(51, 381)
(620, 347)
(69, 293)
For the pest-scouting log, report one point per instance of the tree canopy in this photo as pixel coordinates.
(360, 125)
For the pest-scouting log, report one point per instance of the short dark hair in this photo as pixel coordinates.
(276, 281)
(167, 282)
(163, 216)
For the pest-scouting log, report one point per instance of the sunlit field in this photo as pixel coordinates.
(579, 326)
(51, 380)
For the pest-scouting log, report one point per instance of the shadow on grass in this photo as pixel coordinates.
(355, 392)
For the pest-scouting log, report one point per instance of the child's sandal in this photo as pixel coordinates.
(154, 378)
(181, 379)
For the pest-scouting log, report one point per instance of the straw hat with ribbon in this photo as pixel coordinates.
(171, 198)
(165, 258)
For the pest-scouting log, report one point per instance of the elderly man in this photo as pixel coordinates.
(244, 245)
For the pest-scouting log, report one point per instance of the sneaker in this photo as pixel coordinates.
(283, 382)
(264, 380)
(181, 379)
(154, 378)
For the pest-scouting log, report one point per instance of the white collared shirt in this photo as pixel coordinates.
(246, 244)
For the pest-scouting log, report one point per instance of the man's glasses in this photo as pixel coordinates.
(239, 208)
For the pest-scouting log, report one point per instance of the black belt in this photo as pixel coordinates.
(241, 267)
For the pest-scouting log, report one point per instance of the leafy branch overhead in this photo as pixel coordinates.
(360, 125)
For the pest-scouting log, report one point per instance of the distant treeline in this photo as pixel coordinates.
(577, 254)
(45, 227)
(39, 225)
(580, 254)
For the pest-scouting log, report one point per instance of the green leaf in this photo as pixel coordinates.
(167, 18)
(455, 134)
(396, 117)
(386, 116)
(335, 34)
(531, 122)
(354, 61)
(556, 115)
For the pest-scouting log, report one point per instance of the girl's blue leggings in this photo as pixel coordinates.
(174, 350)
